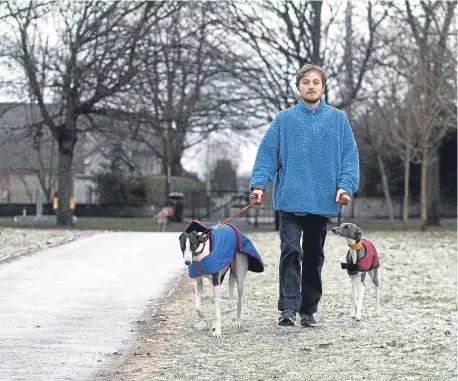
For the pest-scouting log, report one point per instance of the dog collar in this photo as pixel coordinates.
(356, 246)
(204, 241)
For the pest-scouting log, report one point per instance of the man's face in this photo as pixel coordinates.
(311, 87)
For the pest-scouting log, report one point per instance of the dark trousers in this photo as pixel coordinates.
(301, 290)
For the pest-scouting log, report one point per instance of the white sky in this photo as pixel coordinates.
(197, 162)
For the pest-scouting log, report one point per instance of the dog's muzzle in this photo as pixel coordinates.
(187, 263)
(335, 230)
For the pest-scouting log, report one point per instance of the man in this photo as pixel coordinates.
(310, 151)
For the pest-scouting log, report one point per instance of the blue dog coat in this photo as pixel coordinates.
(225, 241)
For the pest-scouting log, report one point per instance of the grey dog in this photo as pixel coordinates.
(362, 258)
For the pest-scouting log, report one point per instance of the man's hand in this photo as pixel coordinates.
(256, 196)
(343, 197)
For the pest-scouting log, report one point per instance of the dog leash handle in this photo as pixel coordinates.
(341, 199)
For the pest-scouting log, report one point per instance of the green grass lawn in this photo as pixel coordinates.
(146, 224)
(132, 224)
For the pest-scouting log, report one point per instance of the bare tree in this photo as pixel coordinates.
(298, 34)
(426, 110)
(403, 137)
(432, 26)
(418, 62)
(94, 58)
(398, 133)
(373, 127)
(26, 146)
(188, 90)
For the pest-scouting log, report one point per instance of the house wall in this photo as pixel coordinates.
(19, 187)
(84, 190)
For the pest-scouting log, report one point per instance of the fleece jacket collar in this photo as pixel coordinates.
(310, 110)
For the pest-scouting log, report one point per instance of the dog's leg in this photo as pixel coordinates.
(354, 285)
(231, 283)
(377, 301)
(374, 275)
(240, 274)
(199, 286)
(217, 296)
(359, 305)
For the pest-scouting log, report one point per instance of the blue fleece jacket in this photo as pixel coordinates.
(311, 153)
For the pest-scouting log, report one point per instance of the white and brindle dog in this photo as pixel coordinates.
(362, 259)
(162, 218)
(195, 250)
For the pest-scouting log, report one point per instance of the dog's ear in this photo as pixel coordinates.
(359, 235)
(181, 236)
(200, 237)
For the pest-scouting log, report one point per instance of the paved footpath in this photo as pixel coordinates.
(65, 311)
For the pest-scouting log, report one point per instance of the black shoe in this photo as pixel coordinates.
(287, 318)
(308, 321)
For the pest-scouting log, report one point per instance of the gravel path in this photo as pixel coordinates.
(413, 339)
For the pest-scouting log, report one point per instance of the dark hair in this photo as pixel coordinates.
(307, 68)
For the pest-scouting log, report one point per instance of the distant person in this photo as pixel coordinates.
(310, 151)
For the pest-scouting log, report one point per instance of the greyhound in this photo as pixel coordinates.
(362, 259)
(213, 261)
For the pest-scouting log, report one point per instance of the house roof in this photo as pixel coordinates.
(25, 143)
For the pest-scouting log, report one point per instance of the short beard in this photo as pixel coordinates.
(310, 100)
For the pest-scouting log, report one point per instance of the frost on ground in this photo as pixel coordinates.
(413, 339)
(16, 242)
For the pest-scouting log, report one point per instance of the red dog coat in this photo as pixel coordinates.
(367, 258)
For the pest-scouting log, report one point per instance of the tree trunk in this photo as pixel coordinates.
(65, 188)
(386, 190)
(66, 136)
(348, 55)
(423, 187)
(316, 33)
(405, 205)
(168, 180)
(176, 168)
(433, 191)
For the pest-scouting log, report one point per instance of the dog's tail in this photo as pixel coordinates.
(231, 284)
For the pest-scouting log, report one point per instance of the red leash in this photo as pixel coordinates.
(206, 233)
(237, 213)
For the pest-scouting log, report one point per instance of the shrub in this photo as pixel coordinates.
(119, 188)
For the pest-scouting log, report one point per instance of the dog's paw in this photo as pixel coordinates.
(200, 313)
(216, 333)
(238, 324)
